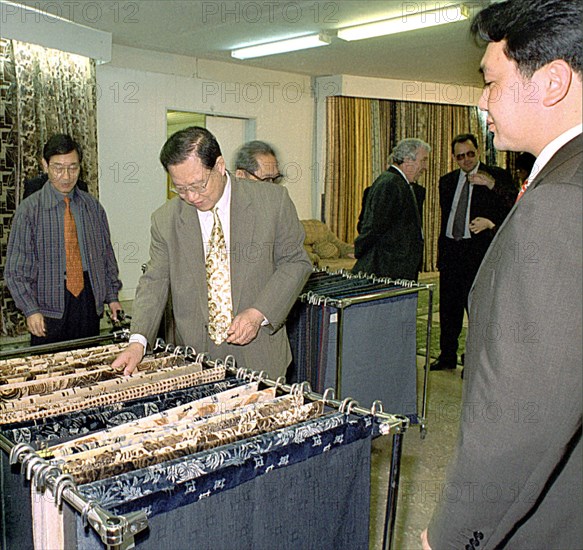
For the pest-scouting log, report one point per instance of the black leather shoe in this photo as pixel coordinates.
(440, 364)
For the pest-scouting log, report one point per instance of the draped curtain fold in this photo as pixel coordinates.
(44, 92)
(361, 134)
(350, 136)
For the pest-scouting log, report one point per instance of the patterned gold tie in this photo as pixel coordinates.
(218, 283)
(74, 265)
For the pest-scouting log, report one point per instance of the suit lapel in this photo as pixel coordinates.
(242, 230)
(562, 155)
(450, 189)
(191, 249)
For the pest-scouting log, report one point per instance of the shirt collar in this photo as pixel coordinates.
(551, 148)
(224, 202)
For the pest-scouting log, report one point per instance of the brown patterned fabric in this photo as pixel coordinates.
(144, 428)
(38, 385)
(11, 321)
(107, 392)
(35, 366)
(206, 434)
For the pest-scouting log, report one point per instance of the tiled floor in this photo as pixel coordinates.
(422, 465)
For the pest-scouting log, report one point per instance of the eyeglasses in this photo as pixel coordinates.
(60, 169)
(268, 179)
(194, 188)
(462, 156)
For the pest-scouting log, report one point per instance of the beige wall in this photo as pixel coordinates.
(137, 88)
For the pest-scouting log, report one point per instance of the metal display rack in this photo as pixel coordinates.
(387, 290)
(118, 532)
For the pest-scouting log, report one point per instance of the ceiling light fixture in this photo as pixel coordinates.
(407, 21)
(282, 46)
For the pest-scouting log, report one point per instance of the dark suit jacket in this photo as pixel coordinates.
(419, 191)
(517, 469)
(269, 267)
(494, 205)
(32, 185)
(390, 243)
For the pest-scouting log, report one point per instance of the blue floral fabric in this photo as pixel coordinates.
(162, 487)
(299, 488)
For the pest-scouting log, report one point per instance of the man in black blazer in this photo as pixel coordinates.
(515, 480)
(474, 201)
(390, 240)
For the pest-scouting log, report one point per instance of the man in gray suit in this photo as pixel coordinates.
(268, 262)
(515, 480)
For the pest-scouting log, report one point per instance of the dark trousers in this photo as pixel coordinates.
(457, 272)
(80, 319)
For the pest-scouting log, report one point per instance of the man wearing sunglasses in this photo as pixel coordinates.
(474, 201)
(256, 160)
(230, 251)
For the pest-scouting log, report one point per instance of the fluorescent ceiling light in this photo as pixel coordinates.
(407, 21)
(281, 46)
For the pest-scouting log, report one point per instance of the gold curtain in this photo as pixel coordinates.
(348, 163)
(44, 92)
(361, 134)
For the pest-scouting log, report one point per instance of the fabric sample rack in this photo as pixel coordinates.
(357, 334)
(306, 480)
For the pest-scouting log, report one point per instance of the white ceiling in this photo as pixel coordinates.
(210, 29)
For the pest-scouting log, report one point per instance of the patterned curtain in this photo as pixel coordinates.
(362, 132)
(44, 92)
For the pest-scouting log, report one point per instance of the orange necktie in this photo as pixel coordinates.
(74, 265)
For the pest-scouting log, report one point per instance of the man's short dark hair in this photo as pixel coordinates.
(246, 158)
(462, 138)
(184, 143)
(537, 32)
(61, 144)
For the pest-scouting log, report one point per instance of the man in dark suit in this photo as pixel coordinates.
(516, 478)
(474, 201)
(267, 264)
(390, 240)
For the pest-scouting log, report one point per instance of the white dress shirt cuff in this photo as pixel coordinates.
(140, 340)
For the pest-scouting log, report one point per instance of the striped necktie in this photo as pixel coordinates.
(73, 263)
(218, 283)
